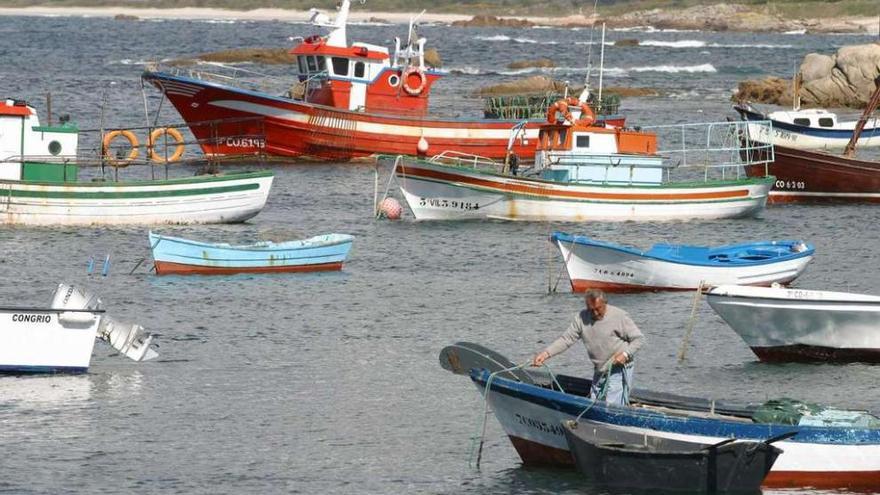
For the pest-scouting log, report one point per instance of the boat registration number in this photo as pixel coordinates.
(448, 203)
(790, 184)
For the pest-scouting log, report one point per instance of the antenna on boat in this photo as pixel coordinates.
(585, 94)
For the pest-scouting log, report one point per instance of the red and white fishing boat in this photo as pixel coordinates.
(348, 101)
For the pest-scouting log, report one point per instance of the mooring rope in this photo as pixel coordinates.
(482, 428)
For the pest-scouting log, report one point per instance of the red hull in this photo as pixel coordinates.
(227, 120)
(816, 177)
(535, 454)
(814, 354)
(168, 268)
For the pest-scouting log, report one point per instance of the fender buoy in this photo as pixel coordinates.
(417, 89)
(158, 134)
(132, 141)
(559, 106)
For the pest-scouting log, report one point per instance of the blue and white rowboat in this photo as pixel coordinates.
(807, 129)
(594, 264)
(173, 255)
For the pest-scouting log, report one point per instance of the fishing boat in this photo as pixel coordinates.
(594, 264)
(613, 456)
(59, 338)
(588, 171)
(40, 184)
(814, 176)
(808, 129)
(781, 324)
(532, 405)
(349, 101)
(174, 255)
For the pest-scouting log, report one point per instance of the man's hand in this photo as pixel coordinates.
(539, 358)
(621, 357)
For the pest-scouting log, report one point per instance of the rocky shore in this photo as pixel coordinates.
(844, 79)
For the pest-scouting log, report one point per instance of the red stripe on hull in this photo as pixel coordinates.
(585, 285)
(535, 454)
(812, 354)
(797, 199)
(169, 268)
(547, 192)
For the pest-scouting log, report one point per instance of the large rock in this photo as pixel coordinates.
(525, 64)
(845, 79)
(492, 21)
(432, 58)
(529, 85)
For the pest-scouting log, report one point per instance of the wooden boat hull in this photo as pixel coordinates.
(816, 177)
(42, 341)
(788, 325)
(441, 192)
(258, 122)
(616, 457)
(174, 255)
(603, 266)
(228, 198)
(820, 457)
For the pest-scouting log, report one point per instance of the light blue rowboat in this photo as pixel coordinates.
(173, 255)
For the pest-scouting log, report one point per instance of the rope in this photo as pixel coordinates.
(479, 450)
(690, 325)
(605, 377)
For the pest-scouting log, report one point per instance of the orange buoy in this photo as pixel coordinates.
(132, 141)
(391, 208)
(179, 147)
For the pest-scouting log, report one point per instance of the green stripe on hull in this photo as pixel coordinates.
(144, 183)
(17, 193)
(535, 197)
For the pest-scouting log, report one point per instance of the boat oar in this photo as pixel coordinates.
(460, 358)
(690, 326)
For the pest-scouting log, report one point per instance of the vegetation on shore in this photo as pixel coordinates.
(792, 9)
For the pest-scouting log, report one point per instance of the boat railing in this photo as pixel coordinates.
(239, 76)
(724, 148)
(461, 159)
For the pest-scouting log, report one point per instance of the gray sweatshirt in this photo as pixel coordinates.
(603, 338)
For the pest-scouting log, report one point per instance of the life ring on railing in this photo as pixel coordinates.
(120, 162)
(587, 117)
(560, 106)
(179, 147)
(418, 73)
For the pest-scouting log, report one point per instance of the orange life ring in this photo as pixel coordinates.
(179, 147)
(132, 141)
(409, 88)
(588, 116)
(559, 106)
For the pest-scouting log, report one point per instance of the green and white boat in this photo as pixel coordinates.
(39, 184)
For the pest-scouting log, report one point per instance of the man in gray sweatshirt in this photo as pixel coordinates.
(611, 339)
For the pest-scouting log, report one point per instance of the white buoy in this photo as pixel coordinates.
(422, 147)
(391, 208)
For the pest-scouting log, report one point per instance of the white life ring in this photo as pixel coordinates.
(409, 88)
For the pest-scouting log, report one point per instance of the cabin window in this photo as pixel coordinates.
(322, 64)
(359, 69)
(563, 133)
(340, 66)
(582, 141)
(313, 66)
(301, 64)
(802, 121)
(826, 122)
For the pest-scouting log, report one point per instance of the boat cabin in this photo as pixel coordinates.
(362, 77)
(30, 151)
(814, 117)
(598, 154)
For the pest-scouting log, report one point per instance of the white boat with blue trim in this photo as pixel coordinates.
(594, 264)
(59, 338)
(40, 185)
(531, 406)
(808, 129)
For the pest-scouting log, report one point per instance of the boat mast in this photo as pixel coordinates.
(601, 63)
(585, 94)
(850, 149)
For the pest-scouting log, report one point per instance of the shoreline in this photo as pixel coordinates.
(867, 26)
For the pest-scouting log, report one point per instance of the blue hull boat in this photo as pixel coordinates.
(594, 264)
(173, 255)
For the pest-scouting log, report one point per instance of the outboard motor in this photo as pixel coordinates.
(128, 338)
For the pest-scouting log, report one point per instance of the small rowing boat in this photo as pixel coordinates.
(594, 264)
(174, 255)
(802, 325)
(614, 456)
